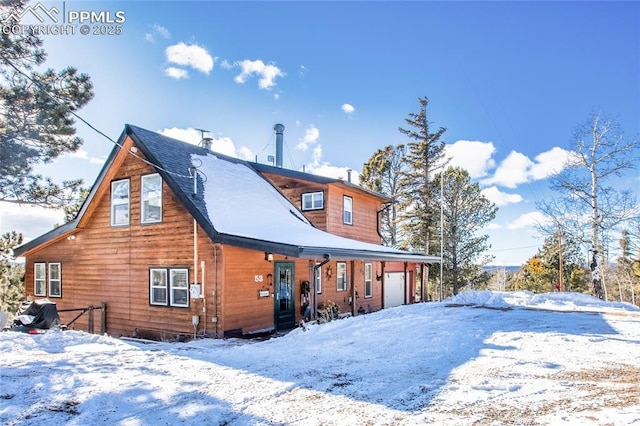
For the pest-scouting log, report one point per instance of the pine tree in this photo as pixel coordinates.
(424, 152)
(381, 173)
(465, 212)
(36, 120)
(11, 275)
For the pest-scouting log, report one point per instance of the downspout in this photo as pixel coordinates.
(378, 220)
(195, 232)
(327, 258)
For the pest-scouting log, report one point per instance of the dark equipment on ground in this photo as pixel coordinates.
(36, 316)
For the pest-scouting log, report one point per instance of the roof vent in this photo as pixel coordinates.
(279, 129)
(207, 143)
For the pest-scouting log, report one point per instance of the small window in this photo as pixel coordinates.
(39, 279)
(151, 209)
(120, 203)
(179, 284)
(158, 283)
(55, 280)
(341, 268)
(313, 201)
(318, 280)
(368, 280)
(347, 210)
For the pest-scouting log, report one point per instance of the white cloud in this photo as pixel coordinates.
(226, 64)
(311, 136)
(527, 220)
(348, 108)
(245, 153)
(162, 31)
(323, 168)
(512, 171)
(549, 163)
(302, 71)
(500, 198)
(267, 73)
(223, 145)
(157, 30)
(176, 73)
(31, 221)
(517, 168)
(84, 155)
(473, 156)
(190, 55)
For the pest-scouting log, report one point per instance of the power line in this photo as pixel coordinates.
(76, 115)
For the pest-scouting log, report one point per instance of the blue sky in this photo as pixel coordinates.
(509, 80)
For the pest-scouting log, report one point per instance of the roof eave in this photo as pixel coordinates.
(381, 256)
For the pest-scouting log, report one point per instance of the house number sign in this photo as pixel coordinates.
(258, 278)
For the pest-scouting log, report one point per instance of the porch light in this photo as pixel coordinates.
(268, 257)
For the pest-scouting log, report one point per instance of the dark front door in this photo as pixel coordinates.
(284, 283)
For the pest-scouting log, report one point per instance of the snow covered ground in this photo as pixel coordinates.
(494, 358)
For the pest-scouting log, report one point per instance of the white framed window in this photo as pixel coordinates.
(347, 210)
(55, 280)
(179, 287)
(158, 286)
(368, 280)
(151, 198)
(341, 279)
(120, 202)
(318, 279)
(40, 279)
(313, 201)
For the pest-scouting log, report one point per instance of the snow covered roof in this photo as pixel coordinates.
(236, 205)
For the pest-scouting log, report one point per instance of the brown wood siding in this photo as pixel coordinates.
(293, 190)
(364, 222)
(330, 291)
(111, 264)
(365, 207)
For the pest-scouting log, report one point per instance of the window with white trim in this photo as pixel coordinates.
(169, 287)
(55, 280)
(368, 280)
(40, 279)
(158, 286)
(151, 198)
(179, 285)
(318, 279)
(313, 201)
(120, 202)
(341, 279)
(347, 210)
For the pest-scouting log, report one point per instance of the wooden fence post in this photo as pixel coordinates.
(103, 318)
(90, 320)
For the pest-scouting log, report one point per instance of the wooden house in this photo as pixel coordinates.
(175, 240)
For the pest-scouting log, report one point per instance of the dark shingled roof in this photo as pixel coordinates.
(172, 159)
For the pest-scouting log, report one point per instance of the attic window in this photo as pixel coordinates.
(120, 202)
(151, 209)
(313, 201)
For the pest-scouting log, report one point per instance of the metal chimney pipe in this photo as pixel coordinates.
(349, 175)
(279, 129)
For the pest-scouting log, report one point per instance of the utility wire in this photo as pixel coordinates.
(76, 115)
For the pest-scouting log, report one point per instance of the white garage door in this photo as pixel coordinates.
(393, 289)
